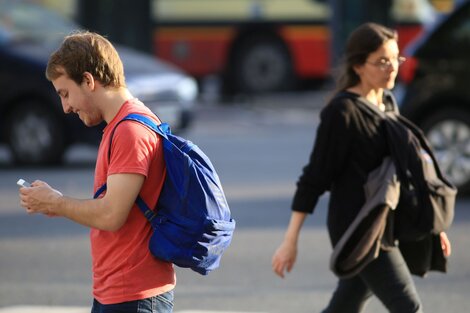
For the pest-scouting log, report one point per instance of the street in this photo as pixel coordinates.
(259, 152)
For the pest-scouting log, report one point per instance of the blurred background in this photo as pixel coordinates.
(245, 80)
(251, 46)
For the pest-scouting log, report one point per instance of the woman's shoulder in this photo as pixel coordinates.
(343, 102)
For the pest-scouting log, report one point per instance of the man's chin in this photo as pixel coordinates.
(89, 123)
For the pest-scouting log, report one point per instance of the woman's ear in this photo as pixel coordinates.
(358, 69)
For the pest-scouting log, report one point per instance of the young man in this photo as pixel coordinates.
(88, 75)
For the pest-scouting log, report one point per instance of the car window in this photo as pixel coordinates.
(461, 33)
(20, 22)
(454, 37)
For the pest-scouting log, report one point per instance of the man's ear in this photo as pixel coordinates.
(89, 80)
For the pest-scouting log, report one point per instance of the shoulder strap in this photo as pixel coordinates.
(163, 130)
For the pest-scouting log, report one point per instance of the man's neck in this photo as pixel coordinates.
(111, 100)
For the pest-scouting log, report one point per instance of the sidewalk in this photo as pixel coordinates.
(63, 309)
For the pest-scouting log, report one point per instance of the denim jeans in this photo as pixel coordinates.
(162, 303)
(387, 277)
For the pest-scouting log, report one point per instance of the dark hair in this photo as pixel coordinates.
(363, 41)
(85, 51)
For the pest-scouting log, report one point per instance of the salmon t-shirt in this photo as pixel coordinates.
(123, 268)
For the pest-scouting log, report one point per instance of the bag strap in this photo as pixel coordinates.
(163, 130)
(148, 213)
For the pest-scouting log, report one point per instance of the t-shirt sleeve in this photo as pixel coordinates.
(328, 157)
(132, 149)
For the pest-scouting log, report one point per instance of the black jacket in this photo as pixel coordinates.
(349, 144)
(353, 138)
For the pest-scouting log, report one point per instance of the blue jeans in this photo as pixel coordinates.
(162, 303)
(387, 277)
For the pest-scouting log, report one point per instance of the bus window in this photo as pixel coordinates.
(259, 45)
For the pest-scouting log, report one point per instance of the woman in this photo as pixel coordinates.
(349, 145)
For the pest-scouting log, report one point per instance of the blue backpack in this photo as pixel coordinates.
(192, 225)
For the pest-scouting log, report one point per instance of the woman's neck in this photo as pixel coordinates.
(374, 96)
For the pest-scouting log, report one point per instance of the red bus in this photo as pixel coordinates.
(259, 45)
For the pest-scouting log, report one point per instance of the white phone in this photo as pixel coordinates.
(23, 183)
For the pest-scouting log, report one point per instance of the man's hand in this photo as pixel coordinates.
(108, 213)
(39, 198)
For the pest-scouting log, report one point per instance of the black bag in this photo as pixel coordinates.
(427, 198)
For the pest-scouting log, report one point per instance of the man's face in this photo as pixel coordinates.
(78, 99)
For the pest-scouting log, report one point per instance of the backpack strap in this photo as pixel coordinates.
(148, 213)
(161, 129)
(100, 191)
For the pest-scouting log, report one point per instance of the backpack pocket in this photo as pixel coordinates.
(190, 247)
(207, 251)
(215, 238)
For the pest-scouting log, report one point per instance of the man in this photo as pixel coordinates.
(88, 75)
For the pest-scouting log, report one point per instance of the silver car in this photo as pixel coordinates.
(32, 123)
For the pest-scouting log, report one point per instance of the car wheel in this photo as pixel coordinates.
(448, 131)
(35, 135)
(262, 65)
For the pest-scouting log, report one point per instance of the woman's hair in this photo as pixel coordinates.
(363, 41)
(85, 51)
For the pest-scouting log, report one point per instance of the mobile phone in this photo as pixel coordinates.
(23, 183)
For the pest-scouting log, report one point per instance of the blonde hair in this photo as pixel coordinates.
(85, 51)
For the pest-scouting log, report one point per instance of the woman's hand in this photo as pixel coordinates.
(284, 258)
(445, 244)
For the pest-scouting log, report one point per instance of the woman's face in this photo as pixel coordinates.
(381, 67)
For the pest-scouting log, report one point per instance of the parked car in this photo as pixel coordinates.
(32, 122)
(437, 91)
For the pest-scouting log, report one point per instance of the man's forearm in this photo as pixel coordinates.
(107, 213)
(93, 213)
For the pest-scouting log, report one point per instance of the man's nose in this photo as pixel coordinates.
(66, 107)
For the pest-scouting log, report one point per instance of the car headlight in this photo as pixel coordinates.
(165, 87)
(187, 89)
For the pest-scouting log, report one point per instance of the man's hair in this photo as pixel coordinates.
(85, 51)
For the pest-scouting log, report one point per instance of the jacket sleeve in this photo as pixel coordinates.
(329, 155)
